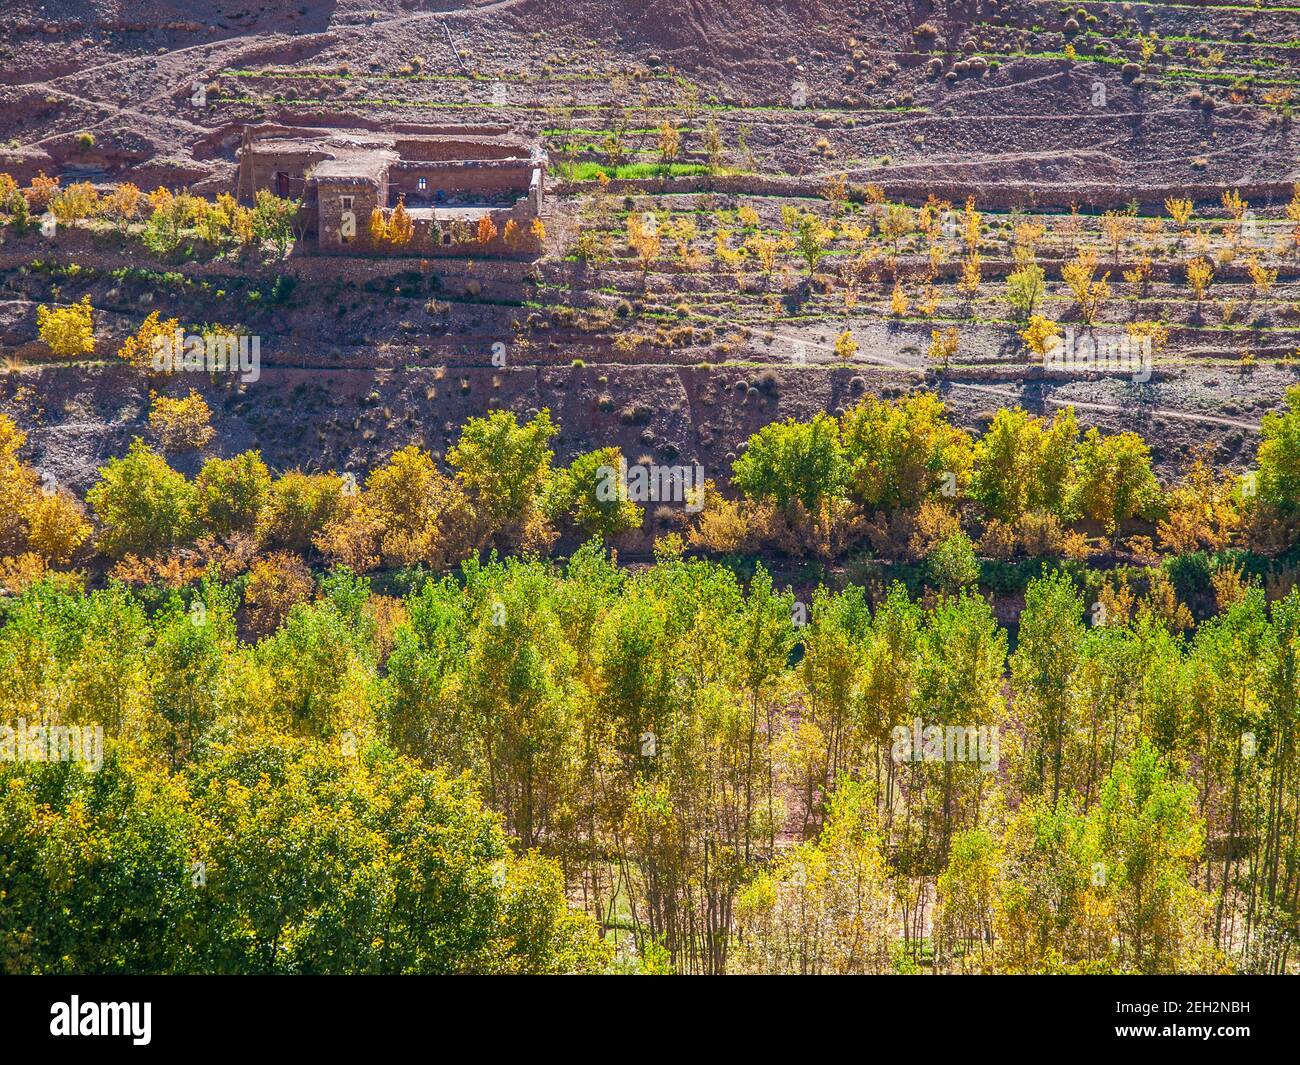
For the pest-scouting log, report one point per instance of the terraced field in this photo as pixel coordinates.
(1071, 125)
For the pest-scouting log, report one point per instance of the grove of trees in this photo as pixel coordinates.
(479, 759)
(534, 767)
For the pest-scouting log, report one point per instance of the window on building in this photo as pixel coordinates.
(421, 183)
(347, 203)
(446, 236)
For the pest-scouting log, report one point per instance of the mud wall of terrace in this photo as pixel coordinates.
(490, 279)
(1005, 196)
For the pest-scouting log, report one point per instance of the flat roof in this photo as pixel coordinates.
(308, 137)
(452, 214)
(365, 165)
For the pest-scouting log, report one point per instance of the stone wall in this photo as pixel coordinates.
(432, 239)
(332, 212)
(257, 170)
(483, 179)
(439, 239)
(446, 150)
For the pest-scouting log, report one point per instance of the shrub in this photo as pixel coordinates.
(952, 565)
(141, 348)
(276, 584)
(69, 331)
(76, 202)
(793, 460)
(181, 424)
(123, 203)
(233, 493)
(170, 215)
(143, 505)
(41, 190)
(299, 507)
(723, 526)
(593, 492)
(901, 452)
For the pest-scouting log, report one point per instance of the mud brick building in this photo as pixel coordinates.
(447, 180)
